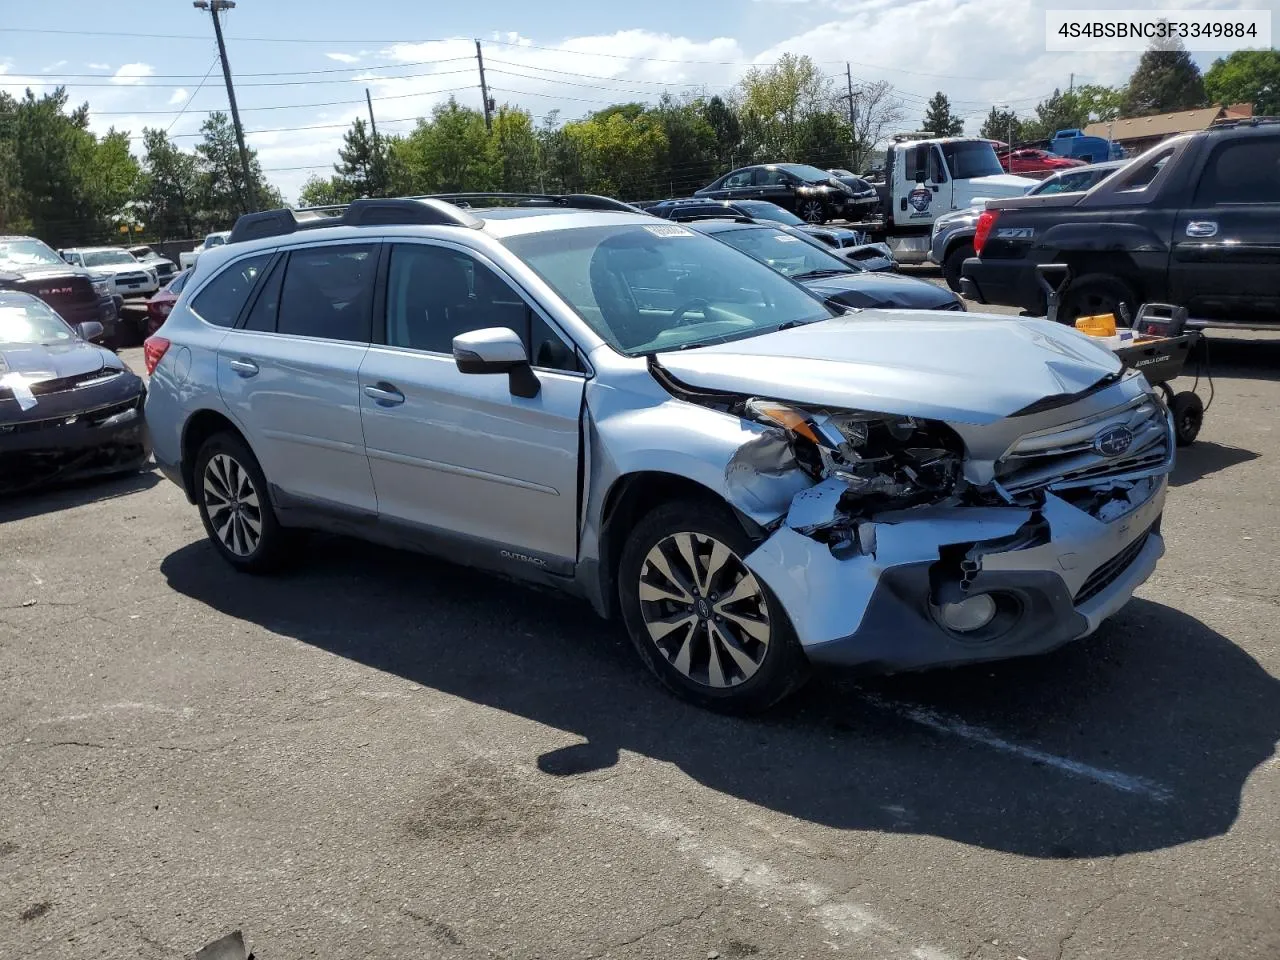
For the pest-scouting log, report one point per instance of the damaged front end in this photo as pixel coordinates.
(898, 547)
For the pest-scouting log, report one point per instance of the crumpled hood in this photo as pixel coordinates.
(878, 289)
(1000, 185)
(36, 362)
(942, 366)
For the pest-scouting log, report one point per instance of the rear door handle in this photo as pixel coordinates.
(244, 367)
(1202, 228)
(384, 394)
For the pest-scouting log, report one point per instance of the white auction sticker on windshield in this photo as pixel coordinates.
(785, 238)
(670, 230)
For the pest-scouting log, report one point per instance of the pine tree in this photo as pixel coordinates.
(1166, 80)
(1002, 125)
(939, 119)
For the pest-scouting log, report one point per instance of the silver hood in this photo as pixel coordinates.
(939, 366)
(1000, 185)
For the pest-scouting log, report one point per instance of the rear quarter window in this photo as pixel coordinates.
(223, 297)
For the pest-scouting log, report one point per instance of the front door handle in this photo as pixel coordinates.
(384, 394)
(1202, 228)
(244, 367)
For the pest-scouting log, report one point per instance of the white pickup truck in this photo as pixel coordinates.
(188, 259)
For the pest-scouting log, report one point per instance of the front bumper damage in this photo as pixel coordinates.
(1061, 570)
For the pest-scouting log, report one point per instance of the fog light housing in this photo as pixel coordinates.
(970, 614)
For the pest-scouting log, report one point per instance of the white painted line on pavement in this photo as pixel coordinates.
(1124, 782)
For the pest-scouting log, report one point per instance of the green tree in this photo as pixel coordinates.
(223, 192)
(939, 119)
(447, 153)
(560, 160)
(109, 176)
(168, 186)
(1166, 80)
(359, 162)
(690, 159)
(321, 192)
(1099, 103)
(774, 101)
(727, 131)
(1061, 111)
(1246, 76)
(48, 149)
(619, 149)
(1002, 125)
(513, 145)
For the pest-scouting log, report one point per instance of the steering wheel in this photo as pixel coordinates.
(677, 316)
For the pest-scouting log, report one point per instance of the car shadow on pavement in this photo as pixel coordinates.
(1139, 738)
(1236, 358)
(33, 503)
(1204, 457)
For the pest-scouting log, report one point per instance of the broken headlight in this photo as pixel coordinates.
(891, 459)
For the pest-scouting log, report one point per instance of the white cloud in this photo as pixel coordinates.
(53, 66)
(343, 57)
(131, 74)
(98, 66)
(178, 96)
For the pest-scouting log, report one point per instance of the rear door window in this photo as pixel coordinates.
(223, 297)
(327, 292)
(1242, 172)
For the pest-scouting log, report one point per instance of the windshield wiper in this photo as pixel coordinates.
(792, 324)
(815, 274)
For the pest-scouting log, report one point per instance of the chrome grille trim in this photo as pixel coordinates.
(1063, 457)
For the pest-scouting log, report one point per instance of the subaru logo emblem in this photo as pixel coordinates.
(1113, 441)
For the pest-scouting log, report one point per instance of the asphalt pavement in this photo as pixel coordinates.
(381, 755)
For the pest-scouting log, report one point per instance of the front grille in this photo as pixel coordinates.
(90, 418)
(1109, 572)
(72, 297)
(131, 278)
(1065, 456)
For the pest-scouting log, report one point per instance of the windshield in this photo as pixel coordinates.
(785, 252)
(663, 287)
(214, 240)
(805, 172)
(971, 158)
(30, 321)
(178, 282)
(28, 252)
(764, 210)
(105, 258)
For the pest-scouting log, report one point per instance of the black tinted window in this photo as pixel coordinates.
(434, 294)
(328, 292)
(222, 299)
(262, 315)
(1246, 171)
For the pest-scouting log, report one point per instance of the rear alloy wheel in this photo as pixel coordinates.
(1098, 293)
(700, 619)
(812, 211)
(232, 496)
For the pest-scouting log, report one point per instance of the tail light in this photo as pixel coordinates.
(986, 220)
(153, 348)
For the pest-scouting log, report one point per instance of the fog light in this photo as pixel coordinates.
(969, 614)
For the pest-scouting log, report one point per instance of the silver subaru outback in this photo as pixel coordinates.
(593, 399)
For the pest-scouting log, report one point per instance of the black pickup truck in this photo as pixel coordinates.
(1194, 221)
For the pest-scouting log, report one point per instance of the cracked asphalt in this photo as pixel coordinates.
(380, 755)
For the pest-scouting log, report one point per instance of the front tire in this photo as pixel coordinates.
(812, 211)
(701, 621)
(952, 265)
(235, 506)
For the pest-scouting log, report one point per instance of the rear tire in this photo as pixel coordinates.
(235, 505)
(706, 627)
(1097, 293)
(954, 261)
(1188, 417)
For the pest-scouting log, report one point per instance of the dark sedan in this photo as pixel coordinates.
(68, 408)
(865, 198)
(812, 194)
(834, 279)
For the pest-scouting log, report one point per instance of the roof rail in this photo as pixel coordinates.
(357, 213)
(574, 201)
(1243, 121)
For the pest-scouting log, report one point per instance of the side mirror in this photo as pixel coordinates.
(497, 350)
(90, 330)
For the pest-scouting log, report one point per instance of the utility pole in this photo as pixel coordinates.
(484, 90)
(215, 7)
(377, 148)
(1071, 85)
(853, 118)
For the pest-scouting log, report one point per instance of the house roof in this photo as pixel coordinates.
(1166, 124)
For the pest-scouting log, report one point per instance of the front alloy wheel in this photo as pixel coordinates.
(233, 505)
(704, 610)
(812, 211)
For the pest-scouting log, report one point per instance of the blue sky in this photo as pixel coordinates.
(306, 64)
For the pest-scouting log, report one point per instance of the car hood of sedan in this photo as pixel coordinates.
(877, 289)
(955, 367)
(35, 362)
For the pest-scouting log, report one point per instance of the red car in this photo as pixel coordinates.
(162, 301)
(1030, 160)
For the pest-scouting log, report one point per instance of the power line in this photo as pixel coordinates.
(275, 73)
(268, 83)
(213, 64)
(285, 106)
